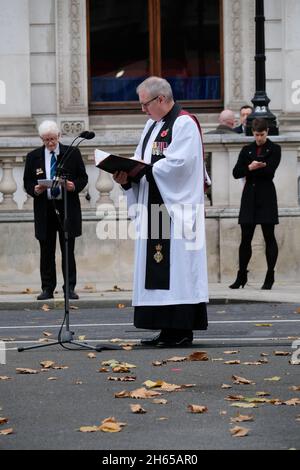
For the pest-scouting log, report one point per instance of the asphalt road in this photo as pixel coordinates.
(47, 414)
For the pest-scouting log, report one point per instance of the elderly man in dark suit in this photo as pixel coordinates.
(49, 205)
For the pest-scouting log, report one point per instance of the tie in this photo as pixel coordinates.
(53, 165)
(54, 191)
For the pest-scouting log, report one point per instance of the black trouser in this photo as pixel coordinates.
(47, 253)
(245, 250)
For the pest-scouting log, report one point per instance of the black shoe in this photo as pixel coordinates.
(269, 280)
(241, 280)
(44, 295)
(182, 342)
(153, 341)
(73, 295)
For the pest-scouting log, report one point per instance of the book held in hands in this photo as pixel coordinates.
(135, 169)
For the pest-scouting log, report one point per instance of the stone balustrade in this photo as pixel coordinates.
(109, 260)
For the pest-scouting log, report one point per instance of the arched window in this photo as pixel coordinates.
(180, 40)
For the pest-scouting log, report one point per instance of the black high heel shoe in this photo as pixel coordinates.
(241, 280)
(269, 280)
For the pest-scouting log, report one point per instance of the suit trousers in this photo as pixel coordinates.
(48, 249)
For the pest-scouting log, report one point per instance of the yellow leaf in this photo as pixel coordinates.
(46, 308)
(244, 405)
(111, 425)
(47, 364)
(263, 324)
(89, 429)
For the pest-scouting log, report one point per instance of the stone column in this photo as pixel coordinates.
(71, 56)
(15, 102)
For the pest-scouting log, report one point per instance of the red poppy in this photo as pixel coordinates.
(164, 133)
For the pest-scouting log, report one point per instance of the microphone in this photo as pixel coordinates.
(87, 135)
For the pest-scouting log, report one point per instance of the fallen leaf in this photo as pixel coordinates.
(298, 418)
(46, 308)
(241, 418)
(225, 386)
(47, 364)
(121, 306)
(244, 405)
(297, 310)
(262, 394)
(282, 353)
(273, 379)
(21, 370)
(5, 377)
(52, 378)
(89, 428)
(81, 337)
(234, 398)
(5, 432)
(162, 418)
(78, 382)
(126, 378)
(255, 363)
(242, 380)
(264, 324)
(47, 334)
(158, 363)
(292, 402)
(231, 352)
(111, 425)
(295, 388)
(91, 355)
(27, 290)
(120, 369)
(138, 393)
(198, 356)
(177, 359)
(160, 401)
(238, 431)
(103, 369)
(236, 361)
(197, 408)
(74, 307)
(137, 409)
(3, 421)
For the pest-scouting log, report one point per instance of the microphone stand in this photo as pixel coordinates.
(68, 336)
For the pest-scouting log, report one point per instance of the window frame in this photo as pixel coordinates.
(132, 107)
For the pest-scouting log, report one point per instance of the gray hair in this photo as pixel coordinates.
(48, 127)
(156, 86)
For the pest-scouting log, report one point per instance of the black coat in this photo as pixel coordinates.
(259, 200)
(75, 169)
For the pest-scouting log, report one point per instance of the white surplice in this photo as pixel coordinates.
(179, 177)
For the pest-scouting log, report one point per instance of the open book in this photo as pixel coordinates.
(112, 163)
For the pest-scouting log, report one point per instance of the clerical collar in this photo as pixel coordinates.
(174, 109)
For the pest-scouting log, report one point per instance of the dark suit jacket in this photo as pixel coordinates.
(239, 129)
(222, 129)
(75, 169)
(259, 200)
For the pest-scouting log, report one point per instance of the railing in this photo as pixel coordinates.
(222, 153)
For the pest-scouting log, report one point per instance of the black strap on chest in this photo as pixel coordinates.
(159, 222)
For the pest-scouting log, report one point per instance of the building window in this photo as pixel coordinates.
(179, 40)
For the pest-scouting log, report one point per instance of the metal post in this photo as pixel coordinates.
(260, 100)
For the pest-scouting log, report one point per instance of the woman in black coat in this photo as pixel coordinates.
(257, 163)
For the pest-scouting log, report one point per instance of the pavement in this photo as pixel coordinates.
(98, 296)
